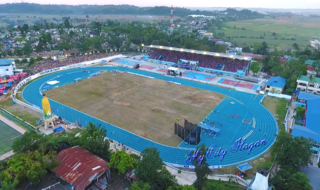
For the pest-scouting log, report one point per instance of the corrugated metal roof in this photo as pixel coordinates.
(277, 82)
(78, 166)
(6, 62)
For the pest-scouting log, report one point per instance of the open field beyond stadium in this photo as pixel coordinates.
(139, 105)
(248, 32)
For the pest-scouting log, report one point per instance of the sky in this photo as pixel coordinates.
(290, 4)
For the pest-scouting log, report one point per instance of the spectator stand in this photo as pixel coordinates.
(239, 73)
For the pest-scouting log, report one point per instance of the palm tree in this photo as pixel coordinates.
(312, 80)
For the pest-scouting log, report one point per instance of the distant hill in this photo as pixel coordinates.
(28, 8)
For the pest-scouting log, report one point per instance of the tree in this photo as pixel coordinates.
(316, 66)
(202, 169)
(32, 61)
(31, 166)
(312, 80)
(219, 48)
(246, 49)
(261, 48)
(295, 46)
(92, 138)
(139, 185)
(97, 28)
(39, 58)
(284, 180)
(121, 161)
(27, 49)
(152, 170)
(67, 23)
(180, 187)
(295, 152)
(300, 112)
(36, 27)
(255, 67)
(30, 141)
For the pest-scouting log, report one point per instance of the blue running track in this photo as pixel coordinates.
(245, 104)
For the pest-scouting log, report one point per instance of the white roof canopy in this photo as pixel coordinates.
(226, 55)
(173, 69)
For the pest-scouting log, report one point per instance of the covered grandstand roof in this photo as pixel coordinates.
(278, 82)
(312, 126)
(226, 55)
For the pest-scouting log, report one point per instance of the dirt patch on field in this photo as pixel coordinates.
(138, 104)
(201, 99)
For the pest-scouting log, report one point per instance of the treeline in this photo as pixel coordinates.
(30, 8)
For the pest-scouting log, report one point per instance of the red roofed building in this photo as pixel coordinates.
(283, 59)
(310, 68)
(217, 40)
(80, 168)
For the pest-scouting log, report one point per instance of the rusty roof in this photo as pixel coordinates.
(79, 167)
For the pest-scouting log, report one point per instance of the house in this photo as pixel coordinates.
(239, 49)
(304, 84)
(82, 169)
(275, 85)
(7, 67)
(315, 43)
(283, 59)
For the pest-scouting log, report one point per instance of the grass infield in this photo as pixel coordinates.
(139, 105)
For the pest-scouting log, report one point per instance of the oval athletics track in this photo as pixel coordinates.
(263, 119)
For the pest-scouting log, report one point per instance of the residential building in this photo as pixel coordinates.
(275, 85)
(8, 67)
(315, 43)
(82, 169)
(304, 84)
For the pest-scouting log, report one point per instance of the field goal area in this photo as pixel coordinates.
(146, 107)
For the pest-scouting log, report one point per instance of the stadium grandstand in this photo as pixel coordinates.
(216, 63)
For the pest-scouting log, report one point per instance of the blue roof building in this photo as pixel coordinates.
(6, 62)
(275, 84)
(311, 128)
(7, 67)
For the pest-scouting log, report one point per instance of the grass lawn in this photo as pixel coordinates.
(137, 104)
(7, 136)
(301, 28)
(277, 107)
(21, 112)
(222, 185)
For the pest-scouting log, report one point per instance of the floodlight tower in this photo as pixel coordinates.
(171, 20)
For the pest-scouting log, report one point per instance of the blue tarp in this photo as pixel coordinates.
(244, 167)
(58, 129)
(204, 126)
